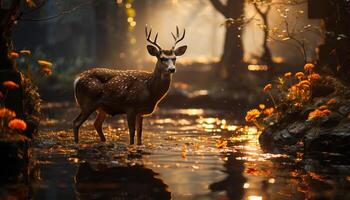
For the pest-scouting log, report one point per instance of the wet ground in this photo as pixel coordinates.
(187, 154)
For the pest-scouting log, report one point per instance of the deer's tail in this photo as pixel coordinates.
(75, 89)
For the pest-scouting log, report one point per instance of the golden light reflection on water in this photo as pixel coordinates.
(189, 148)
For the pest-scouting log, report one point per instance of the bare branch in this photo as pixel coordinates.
(65, 12)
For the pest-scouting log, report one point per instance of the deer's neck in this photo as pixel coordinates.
(160, 83)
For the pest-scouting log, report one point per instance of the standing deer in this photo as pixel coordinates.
(130, 92)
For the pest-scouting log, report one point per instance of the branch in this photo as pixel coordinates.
(9, 19)
(219, 6)
(65, 12)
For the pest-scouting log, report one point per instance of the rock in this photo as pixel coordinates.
(331, 121)
(334, 140)
(298, 128)
(344, 110)
(15, 151)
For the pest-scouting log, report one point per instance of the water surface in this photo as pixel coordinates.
(187, 154)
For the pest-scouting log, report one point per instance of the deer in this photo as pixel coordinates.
(135, 93)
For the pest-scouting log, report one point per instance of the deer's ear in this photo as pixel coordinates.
(180, 51)
(152, 50)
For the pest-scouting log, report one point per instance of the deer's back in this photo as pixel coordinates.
(115, 88)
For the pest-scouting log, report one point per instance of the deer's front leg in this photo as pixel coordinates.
(139, 120)
(131, 117)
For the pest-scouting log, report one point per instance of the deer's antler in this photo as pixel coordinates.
(154, 42)
(177, 37)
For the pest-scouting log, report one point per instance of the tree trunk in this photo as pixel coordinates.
(334, 56)
(8, 72)
(267, 56)
(232, 56)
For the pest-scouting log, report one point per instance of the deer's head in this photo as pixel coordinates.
(166, 58)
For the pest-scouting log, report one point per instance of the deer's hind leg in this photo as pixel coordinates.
(131, 118)
(101, 116)
(82, 117)
(139, 120)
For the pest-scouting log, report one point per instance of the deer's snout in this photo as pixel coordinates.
(171, 69)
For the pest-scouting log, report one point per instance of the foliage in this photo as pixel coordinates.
(289, 94)
(24, 63)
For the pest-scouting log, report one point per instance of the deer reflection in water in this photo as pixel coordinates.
(133, 182)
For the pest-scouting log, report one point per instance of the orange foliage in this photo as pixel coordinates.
(269, 111)
(314, 77)
(309, 67)
(10, 85)
(44, 63)
(319, 113)
(13, 55)
(267, 87)
(7, 113)
(25, 52)
(262, 106)
(331, 101)
(299, 75)
(288, 74)
(252, 115)
(17, 124)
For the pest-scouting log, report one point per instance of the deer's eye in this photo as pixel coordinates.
(173, 59)
(163, 59)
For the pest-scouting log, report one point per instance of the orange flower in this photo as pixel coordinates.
(252, 115)
(269, 111)
(323, 107)
(299, 75)
(46, 71)
(267, 87)
(45, 64)
(262, 106)
(304, 83)
(4, 112)
(331, 101)
(319, 113)
(309, 67)
(17, 124)
(10, 85)
(13, 55)
(25, 52)
(288, 74)
(293, 88)
(314, 77)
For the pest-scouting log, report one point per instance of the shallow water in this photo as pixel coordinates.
(187, 154)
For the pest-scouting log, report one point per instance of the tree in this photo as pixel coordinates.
(334, 54)
(8, 18)
(232, 56)
(263, 9)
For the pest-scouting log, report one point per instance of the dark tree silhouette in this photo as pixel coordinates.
(8, 17)
(232, 55)
(263, 12)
